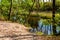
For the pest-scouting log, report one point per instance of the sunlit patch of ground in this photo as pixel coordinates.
(9, 28)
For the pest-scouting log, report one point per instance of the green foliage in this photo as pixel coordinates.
(39, 33)
(17, 18)
(46, 21)
(57, 5)
(47, 6)
(23, 7)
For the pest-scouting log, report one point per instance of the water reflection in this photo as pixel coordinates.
(46, 29)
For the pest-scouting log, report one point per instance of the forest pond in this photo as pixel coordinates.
(45, 28)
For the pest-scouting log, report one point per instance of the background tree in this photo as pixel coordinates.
(10, 10)
(53, 17)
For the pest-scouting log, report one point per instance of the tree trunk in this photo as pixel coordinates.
(43, 0)
(1, 11)
(30, 10)
(38, 4)
(10, 10)
(49, 0)
(53, 22)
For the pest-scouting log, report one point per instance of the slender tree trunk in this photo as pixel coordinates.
(30, 11)
(43, 0)
(1, 7)
(10, 10)
(53, 16)
(38, 4)
(49, 0)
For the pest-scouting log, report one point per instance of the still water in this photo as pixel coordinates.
(46, 29)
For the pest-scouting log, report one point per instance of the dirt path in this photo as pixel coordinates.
(9, 28)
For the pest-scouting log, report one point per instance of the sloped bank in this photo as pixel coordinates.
(9, 28)
(48, 37)
(15, 31)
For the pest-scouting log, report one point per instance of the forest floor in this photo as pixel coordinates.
(10, 29)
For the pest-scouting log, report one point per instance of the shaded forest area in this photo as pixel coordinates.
(31, 11)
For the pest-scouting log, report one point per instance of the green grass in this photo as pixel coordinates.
(39, 33)
(45, 14)
(41, 14)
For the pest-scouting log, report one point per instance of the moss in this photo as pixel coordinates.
(39, 33)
